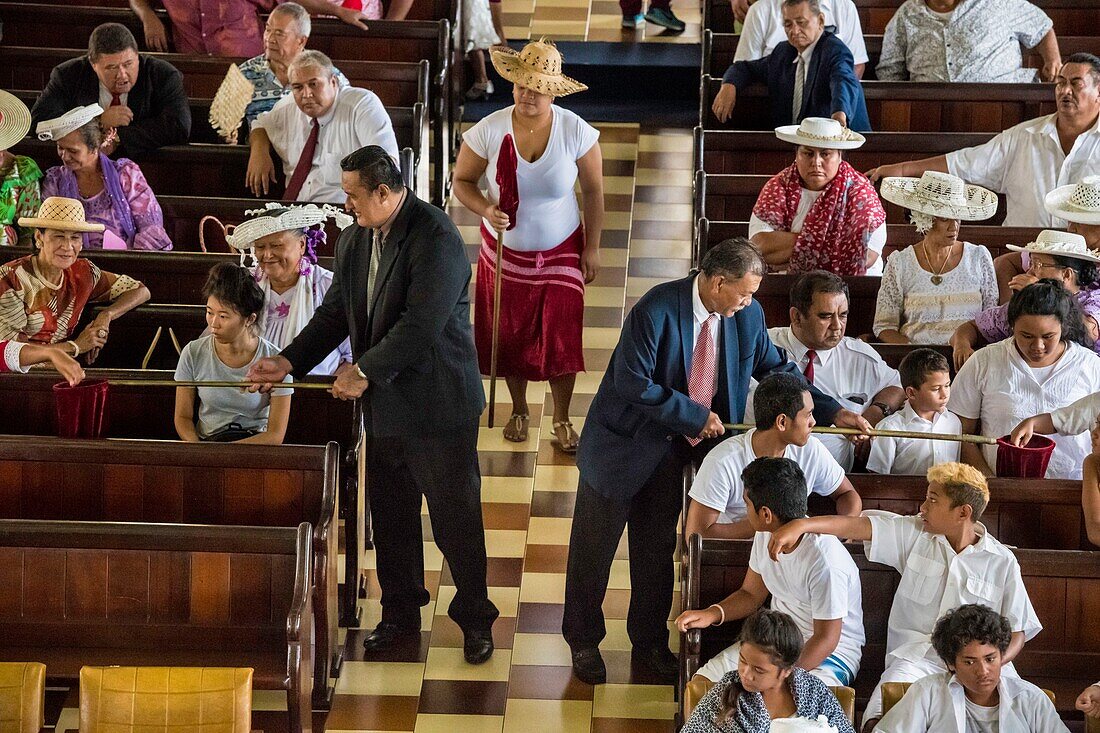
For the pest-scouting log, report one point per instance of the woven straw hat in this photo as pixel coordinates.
(942, 195)
(537, 67)
(1059, 244)
(294, 217)
(15, 120)
(61, 213)
(74, 119)
(821, 132)
(1079, 204)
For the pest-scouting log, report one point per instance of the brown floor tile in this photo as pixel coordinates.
(616, 134)
(618, 167)
(617, 201)
(546, 558)
(603, 316)
(552, 504)
(504, 572)
(526, 682)
(611, 35)
(658, 267)
(559, 12)
(662, 194)
(504, 409)
(431, 582)
(605, 7)
(463, 697)
(662, 230)
(615, 238)
(631, 301)
(372, 712)
(664, 160)
(549, 455)
(504, 516)
(446, 633)
(610, 277)
(408, 649)
(632, 725)
(276, 722)
(506, 463)
(539, 618)
(516, 20)
(616, 603)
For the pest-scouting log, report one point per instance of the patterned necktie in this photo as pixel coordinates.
(116, 100)
(808, 372)
(305, 163)
(701, 379)
(799, 83)
(372, 269)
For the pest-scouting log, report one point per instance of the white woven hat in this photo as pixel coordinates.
(59, 127)
(1059, 244)
(821, 132)
(1078, 203)
(58, 212)
(15, 120)
(942, 195)
(295, 217)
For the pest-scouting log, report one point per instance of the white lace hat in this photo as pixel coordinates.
(15, 120)
(942, 195)
(294, 217)
(820, 132)
(61, 213)
(59, 127)
(1078, 203)
(1059, 244)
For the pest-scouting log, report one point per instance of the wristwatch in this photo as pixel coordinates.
(886, 411)
(360, 372)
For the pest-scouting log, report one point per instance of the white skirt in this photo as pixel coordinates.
(480, 33)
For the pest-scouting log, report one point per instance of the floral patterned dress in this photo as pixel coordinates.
(19, 196)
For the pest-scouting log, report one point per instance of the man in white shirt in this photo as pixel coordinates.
(846, 369)
(972, 696)
(763, 30)
(1029, 160)
(1088, 701)
(816, 584)
(313, 129)
(946, 559)
(784, 419)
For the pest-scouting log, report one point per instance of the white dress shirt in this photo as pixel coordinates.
(909, 455)
(938, 703)
(700, 315)
(1077, 417)
(935, 579)
(763, 29)
(1025, 163)
(356, 119)
(105, 97)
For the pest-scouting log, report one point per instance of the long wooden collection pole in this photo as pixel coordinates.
(496, 330)
(886, 434)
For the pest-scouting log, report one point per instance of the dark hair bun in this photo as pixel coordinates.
(235, 287)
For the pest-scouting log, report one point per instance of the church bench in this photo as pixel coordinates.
(1062, 585)
(158, 482)
(105, 593)
(905, 106)
(748, 152)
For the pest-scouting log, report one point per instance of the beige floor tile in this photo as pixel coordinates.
(556, 478)
(603, 296)
(548, 530)
(505, 599)
(506, 489)
(636, 287)
(665, 177)
(269, 700)
(446, 663)
(633, 701)
(601, 338)
(558, 28)
(679, 143)
(618, 640)
(380, 678)
(619, 151)
(616, 220)
(663, 212)
(560, 716)
(613, 258)
(620, 574)
(617, 184)
(541, 649)
(542, 588)
(505, 542)
(492, 439)
(589, 382)
(426, 723)
(663, 248)
(517, 33)
(604, 22)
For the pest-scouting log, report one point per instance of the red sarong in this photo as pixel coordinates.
(541, 309)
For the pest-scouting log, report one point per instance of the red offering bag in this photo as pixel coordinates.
(1029, 461)
(82, 410)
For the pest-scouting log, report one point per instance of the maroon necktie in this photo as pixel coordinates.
(808, 372)
(116, 100)
(701, 379)
(305, 163)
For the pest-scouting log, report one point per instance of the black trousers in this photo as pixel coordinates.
(445, 471)
(598, 523)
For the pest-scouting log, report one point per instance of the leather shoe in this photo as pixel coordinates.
(659, 660)
(588, 666)
(477, 647)
(386, 634)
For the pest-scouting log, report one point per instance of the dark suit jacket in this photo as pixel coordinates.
(642, 403)
(416, 345)
(162, 114)
(831, 83)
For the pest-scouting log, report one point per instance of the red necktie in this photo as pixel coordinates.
(808, 372)
(305, 163)
(701, 379)
(116, 100)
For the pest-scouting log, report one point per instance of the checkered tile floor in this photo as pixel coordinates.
(592, 20)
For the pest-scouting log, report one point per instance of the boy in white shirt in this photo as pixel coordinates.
(946, 559)
(784, 419)
(972, 696)
(817, 583)
(926, 379)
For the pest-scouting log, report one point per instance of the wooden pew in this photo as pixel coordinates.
(905, 106)
(1061, 584)
(104, 593)
(747, 152)
(156, 482)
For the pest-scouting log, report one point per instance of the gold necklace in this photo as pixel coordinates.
(937, 276)
(530, 130)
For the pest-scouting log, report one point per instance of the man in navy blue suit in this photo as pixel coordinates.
(681, 369)
(811, 75)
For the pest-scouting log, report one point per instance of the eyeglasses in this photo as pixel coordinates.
(1040, 266)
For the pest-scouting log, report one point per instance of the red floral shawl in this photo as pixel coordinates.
(836, 229)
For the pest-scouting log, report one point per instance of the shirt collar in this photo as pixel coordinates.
(697, 308)
(388, 224)
(327, 116)
(798, 350)
(1048, 125)
(910, 415)
(809, 52)
(982, 545)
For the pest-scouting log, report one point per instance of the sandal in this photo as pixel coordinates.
(516, 428)
(568, 443)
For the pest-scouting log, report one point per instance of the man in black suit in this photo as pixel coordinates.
(416, 372)
(142, 96)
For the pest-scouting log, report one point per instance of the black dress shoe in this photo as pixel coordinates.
(477, 647)
(385, 634)
(659, 660)
(588, 666)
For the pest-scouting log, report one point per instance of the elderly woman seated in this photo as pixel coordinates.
(283, 241)
(1057, 255)
(936, 285)
(43, 294)
(820, 213)
(18, 174)
(114, 192)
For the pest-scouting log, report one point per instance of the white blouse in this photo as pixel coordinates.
(927, 313)
(548, 211)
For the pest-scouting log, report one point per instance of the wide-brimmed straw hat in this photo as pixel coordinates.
(1059, 244)
(537, 67)
(266, 222)
(58, 212)
(942, 195)
(74, 119)
(15, 120)
(1078, 203)
(821, 132)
